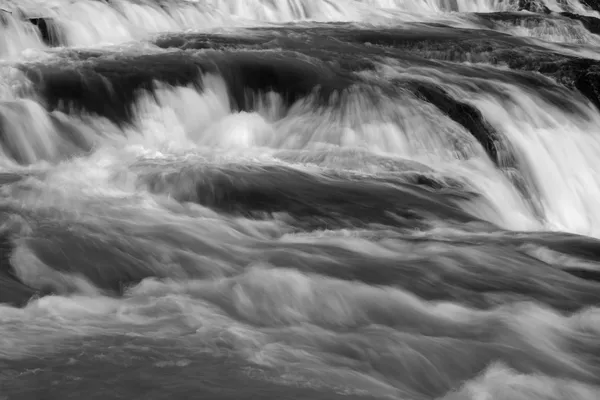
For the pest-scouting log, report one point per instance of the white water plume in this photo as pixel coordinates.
(16, 36)
(548, 141)
(88, 22)
(556, 31)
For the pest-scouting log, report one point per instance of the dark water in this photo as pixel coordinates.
(300, 199)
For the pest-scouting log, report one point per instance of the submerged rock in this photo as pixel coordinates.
(464, 114)
(592, 4)
(586, 274)
(12, 290)
(592, 24)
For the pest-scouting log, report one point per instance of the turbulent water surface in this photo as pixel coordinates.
(300, 199)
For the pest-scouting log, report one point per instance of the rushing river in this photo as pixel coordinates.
(300, 199)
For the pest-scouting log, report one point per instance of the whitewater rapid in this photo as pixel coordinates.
(300, 199)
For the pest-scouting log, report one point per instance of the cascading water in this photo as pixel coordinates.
(300, 199)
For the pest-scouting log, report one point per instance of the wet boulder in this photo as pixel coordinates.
(536, 6)
(48, 29)
(588, 83)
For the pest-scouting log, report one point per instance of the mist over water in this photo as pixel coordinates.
(303, 199)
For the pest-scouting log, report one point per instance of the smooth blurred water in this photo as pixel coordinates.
(301, 199)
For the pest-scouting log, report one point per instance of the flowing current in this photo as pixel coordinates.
(300, 199)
